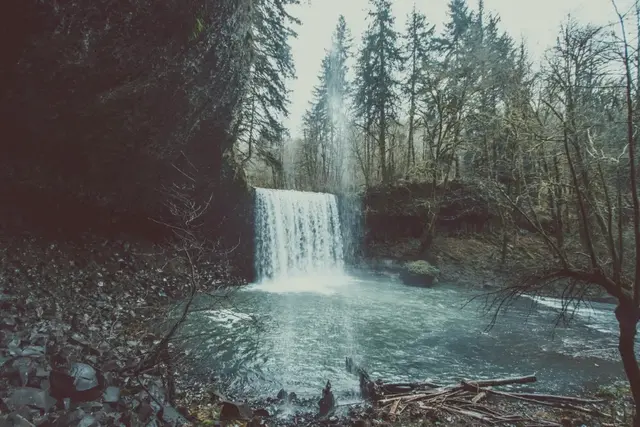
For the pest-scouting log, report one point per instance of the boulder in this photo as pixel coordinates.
(29, 396)
(235, 411)
(81, 383)
(261, 413)
(419, 273)
(14, 420)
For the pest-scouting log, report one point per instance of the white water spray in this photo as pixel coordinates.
(297, 234)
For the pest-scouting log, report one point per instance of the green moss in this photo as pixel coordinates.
(617, 390)
(422, 268)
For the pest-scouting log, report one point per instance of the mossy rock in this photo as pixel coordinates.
(419, 273)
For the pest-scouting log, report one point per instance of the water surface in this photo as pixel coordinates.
(296, 333)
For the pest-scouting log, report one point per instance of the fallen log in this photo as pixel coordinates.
(503, 381)
(472, 387)
(412, 386)
(410, 397)
(556, 398)
(478, 397)
(463, 399)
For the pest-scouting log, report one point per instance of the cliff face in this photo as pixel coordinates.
(105, 104)
(402, 211)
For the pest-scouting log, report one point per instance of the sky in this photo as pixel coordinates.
(535, 21)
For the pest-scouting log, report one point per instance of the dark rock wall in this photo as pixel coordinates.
(402, 211)
(104, 104)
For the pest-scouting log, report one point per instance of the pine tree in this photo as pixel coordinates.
(326, 119)
(259, 125)
(416, 50)
(377, 92)
(456, 30)
(338, 92)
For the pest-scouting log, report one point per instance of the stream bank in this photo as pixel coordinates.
(81, 323)
(468, 246)
(96, 302)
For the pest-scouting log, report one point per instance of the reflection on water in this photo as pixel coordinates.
(296, 335)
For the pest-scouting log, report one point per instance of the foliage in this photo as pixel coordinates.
(422, 268)
(325, 123)
(553, 150)
(376, 97)
(102, 100)
(258, 127)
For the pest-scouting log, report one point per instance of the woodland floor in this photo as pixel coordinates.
(97, 303)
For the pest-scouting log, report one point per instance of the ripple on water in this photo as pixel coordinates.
(295, 334)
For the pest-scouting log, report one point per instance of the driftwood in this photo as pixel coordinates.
(464, 399)
(504, 381)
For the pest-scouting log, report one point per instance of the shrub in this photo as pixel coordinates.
(422, 268)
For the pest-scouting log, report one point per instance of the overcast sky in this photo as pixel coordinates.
(537, 21)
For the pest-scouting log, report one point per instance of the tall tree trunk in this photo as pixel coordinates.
(411, 152)
(382, 146)
(628, 316)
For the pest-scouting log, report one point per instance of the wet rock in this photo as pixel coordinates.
(85, 377)
(145, 411)
(71, 418)
(18, 370)
(172, 417)
(82, 383)
(33, 350)
(282, 394)
(14, 420)
(88, 421)
(76, 339)
(419, 273)
(328, 402)
(292, 397)
(111, 365)
(28, 396)
(111, 394)
(8, 323)
(235, 411)
(261, 412)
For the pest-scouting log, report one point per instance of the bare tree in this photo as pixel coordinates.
(599, 161)
(197, 259)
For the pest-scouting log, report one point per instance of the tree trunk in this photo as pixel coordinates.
(628, 317)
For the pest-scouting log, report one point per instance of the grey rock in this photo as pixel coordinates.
(14, 420)
(261, 412)
(111, 394)
(235, 411)
(71, 418)
(29, 396)
(172, 417)
(145, 411)
(88, 421)
(85, 377)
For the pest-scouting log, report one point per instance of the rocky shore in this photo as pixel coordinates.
(81, 327)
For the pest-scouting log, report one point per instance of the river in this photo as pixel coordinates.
(296, 333)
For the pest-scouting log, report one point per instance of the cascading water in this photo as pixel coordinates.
(294, 329)
(297, 234)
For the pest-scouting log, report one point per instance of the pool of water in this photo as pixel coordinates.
(295, 334)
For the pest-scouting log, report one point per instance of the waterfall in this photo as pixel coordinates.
(297, 234)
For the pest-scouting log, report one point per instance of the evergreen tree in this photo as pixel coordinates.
(456, 29)
(416, 49)
(325, 121)
(377, 88)
(259, 125)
